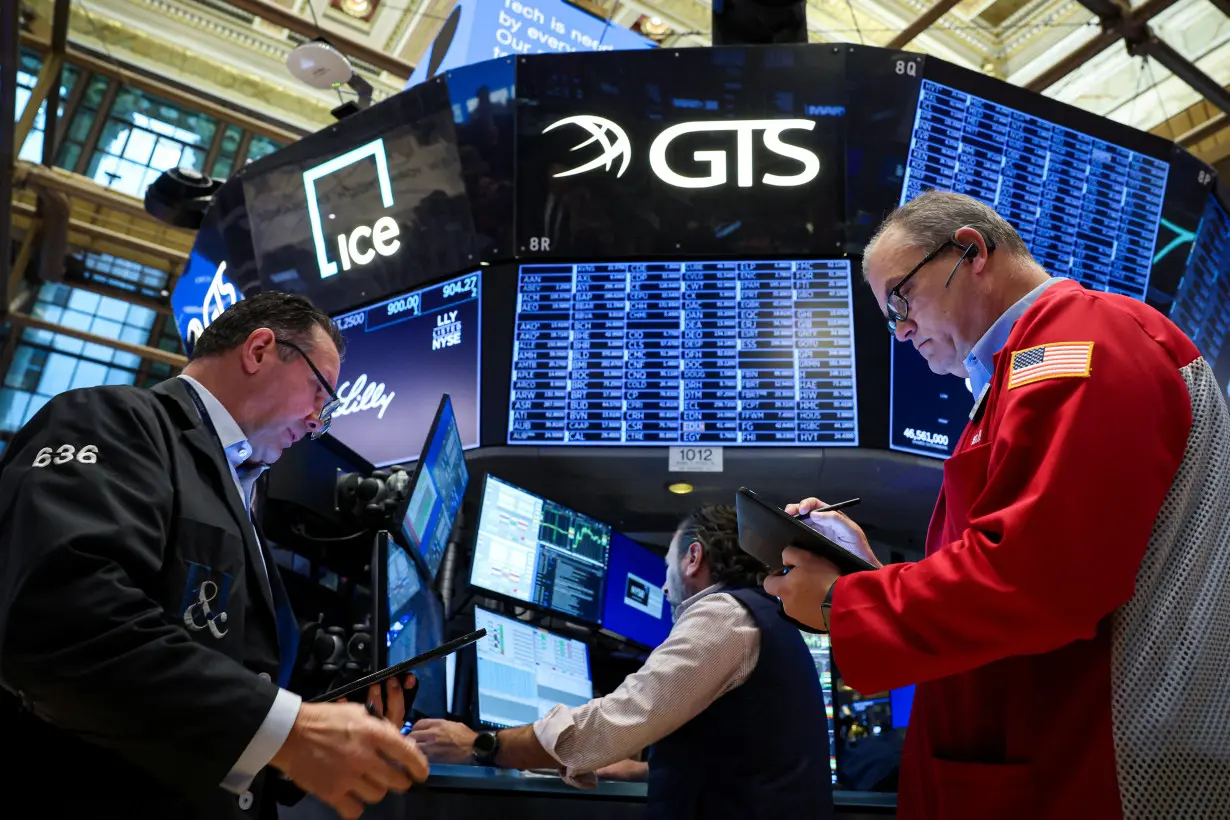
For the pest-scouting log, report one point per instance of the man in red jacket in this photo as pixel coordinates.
(1069, 627)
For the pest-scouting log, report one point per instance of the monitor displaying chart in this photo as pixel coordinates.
(1088, 209)
(535, 550)
(731, 353)
(524, 671)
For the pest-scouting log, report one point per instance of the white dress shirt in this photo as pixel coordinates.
(712, 649)
(277, 724)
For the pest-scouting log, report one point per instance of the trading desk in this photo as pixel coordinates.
(478, 791)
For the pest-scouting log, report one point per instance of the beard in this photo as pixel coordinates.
(674, 590)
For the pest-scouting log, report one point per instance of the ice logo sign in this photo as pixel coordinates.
(220, 295)
(615, 145)
(365, 242)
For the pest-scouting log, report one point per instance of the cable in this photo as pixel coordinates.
(854, 19)
(1160, 100)
(1136, 94)
(298, 530)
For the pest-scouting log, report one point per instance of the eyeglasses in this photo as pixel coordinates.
(325, 417)
(898, 307)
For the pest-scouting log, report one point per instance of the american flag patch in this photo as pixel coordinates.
(1054, 361)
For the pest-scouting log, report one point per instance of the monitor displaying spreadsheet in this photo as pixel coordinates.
(524, 671)
(1203, 295)
(730, 353)
(1088, 209)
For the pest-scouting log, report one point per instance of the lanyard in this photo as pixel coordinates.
(200, 408)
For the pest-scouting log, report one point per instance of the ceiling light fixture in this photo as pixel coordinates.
(318, 64)
(357, 8)
(680, 488)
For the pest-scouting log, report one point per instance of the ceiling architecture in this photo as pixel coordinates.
(236, 51)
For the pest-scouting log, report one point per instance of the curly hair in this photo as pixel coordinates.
(716, 528)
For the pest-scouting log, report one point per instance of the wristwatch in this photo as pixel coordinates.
(826, 606)
(486, 744)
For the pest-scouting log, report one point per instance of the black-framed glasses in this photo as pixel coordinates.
(898, 307)
(325, 416)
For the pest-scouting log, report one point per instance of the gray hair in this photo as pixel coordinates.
(933, 216)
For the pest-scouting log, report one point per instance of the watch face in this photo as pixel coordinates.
(484, 744)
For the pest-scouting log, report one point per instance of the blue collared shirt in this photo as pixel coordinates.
(980, 363)
(234, 443)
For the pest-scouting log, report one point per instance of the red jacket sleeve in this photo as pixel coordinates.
(1076, 474)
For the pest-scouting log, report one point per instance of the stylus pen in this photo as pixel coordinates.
(840, 505)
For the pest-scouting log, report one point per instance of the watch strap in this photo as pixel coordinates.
(827, 605)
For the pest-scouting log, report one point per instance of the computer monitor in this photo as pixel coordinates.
(437, 489)
(534, 550)
(524, 671)
(636, 606)
(901, 702)
(818, 645)
(411, 619)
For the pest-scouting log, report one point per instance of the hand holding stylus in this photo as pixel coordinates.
(805, 579)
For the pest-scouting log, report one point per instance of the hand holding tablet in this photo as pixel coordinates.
(805, 562)
(765, 531)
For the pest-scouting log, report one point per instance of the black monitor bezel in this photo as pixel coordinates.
(517, 602)
(415, 472)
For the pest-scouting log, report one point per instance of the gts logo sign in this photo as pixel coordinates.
(616, 150)
(467, 285)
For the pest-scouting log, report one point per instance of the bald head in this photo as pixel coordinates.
(931, 217)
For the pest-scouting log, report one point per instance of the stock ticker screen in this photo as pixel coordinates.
(731, 353)
(1087, 209)
(534, 550)
(418, 344)
(1199, 307)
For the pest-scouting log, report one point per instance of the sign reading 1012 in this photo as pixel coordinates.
(695, 460)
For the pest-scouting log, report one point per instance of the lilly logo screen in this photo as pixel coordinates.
(350, 246)
(401, 355)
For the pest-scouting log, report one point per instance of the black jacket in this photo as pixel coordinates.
(116, 506)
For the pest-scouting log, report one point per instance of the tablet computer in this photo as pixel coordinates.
(765, 530)
(400, 669)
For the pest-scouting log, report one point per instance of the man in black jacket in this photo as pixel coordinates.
(145, 636)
